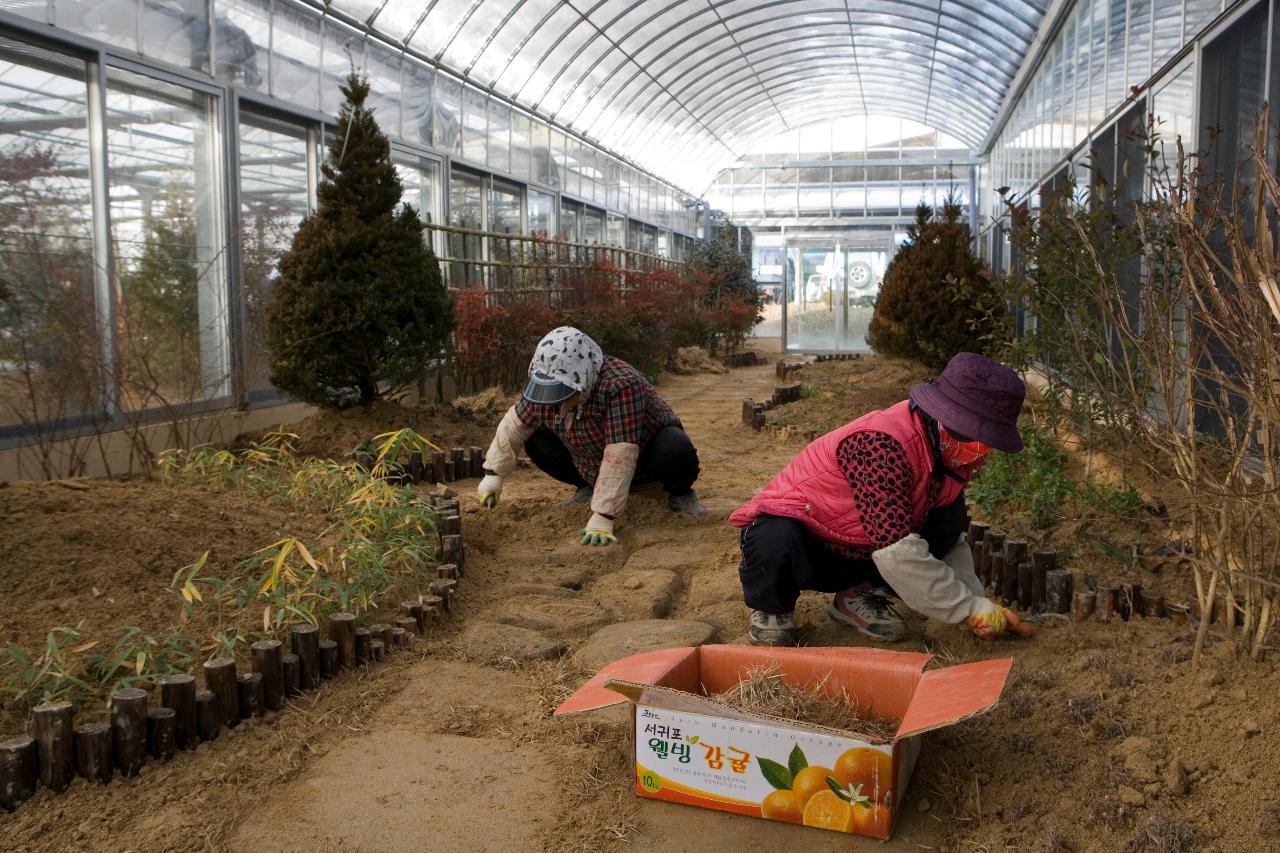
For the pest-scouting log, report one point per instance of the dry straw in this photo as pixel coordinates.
(764, 691)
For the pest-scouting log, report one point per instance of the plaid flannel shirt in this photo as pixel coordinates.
(623, 409)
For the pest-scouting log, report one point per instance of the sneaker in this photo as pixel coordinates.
(582, 496)
(687, 504)
(773, 629)
(870, 612)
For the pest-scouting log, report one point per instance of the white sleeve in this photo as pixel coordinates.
(613, 484)
(504, 451)
(928, 585)
(960, 559)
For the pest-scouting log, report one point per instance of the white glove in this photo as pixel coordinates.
(599, 531)
(613, 483)
(489, 489)
(507, 442)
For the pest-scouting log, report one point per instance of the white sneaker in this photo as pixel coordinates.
(870, 611)
(773, 629)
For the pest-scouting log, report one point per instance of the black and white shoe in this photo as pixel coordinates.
(773, 629)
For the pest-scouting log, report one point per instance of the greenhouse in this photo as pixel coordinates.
(370, 378)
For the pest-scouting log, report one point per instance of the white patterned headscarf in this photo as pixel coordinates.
(565, 362)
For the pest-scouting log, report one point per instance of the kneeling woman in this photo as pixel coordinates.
(875, 510)
(593, 422)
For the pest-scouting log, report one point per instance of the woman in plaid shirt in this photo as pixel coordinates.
(593, 422)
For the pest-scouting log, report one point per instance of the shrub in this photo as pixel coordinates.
(360, 309)
(937, 298)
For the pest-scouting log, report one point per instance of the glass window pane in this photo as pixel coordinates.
(111, 21)
(520, 141)
(466, 210)
(166, 229)
(504, 208)
(383, 68)
(475, 126)
(1198, 15)
(295, 76)
(616, 230)
(541, 213)
(1139, 42)
(273, 200)
(177, 32)
(592, 226)
(570, 214)
(49, 355)
(242, 33)
(499, 136)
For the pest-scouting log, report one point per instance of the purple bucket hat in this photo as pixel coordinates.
(977, 398)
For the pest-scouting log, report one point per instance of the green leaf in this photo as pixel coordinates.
(839, 791)
(692, 738)
(796, 761)
(775, 774)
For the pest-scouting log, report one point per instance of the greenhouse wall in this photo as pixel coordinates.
(158, 155)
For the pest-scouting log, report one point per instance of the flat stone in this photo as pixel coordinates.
(637, 594)
(554, 613)
(628, 638)
(541, 589)
(710, 587)
(485, 640)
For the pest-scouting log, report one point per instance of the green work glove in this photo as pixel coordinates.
(599, 531)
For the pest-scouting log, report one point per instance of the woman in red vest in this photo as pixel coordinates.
(875, 510)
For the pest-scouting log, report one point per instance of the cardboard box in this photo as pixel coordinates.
(694, 750)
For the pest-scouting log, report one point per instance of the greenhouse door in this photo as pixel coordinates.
(830, 289)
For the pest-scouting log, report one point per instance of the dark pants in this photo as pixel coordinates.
(781, 557)
(669, 458)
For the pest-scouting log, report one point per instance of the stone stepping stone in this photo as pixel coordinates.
(637, 594)
(674, 556)
(628, 638)
(486, 640)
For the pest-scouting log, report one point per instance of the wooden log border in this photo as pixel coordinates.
(152, 724)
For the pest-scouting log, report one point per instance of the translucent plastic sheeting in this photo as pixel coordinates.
(709, 79)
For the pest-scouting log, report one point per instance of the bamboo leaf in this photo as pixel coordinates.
(306, 555)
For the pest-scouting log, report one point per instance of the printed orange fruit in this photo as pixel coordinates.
(825, 810)
(870, 819)
(870, 768)
(810, 781)
(782, 805)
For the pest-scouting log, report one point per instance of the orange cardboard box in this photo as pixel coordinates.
(694, 750)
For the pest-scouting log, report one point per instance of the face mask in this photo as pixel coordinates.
(960, 453)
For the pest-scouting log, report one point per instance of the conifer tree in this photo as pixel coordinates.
(360, 309)
(937, 298)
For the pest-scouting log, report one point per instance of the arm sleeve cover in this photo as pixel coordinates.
(926, 584)
(507, 442)
(614, 481)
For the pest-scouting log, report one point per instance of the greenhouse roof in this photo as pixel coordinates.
(712, 78)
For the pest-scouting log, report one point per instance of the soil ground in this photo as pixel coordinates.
(1105, 738)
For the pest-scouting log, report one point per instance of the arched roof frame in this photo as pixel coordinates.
(708, 79)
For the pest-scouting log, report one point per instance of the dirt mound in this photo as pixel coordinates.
(335, 434)
(690, 360)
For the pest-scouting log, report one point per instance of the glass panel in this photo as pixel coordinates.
(50, 362)
(1168, 31)
(1139, 42)
(1198, 15)
(166, 228)
(37, 10)
(592, 226)
(1173, 106)
(499, 136)
(466, 210)
(177, 31)
(520, 140)
(545, 170)
(504, 208)
(242, 33)
(295, 77)
(111, 21)
(475, 125)
(570, 214)
(446, 122)
(383, 68)
(541, 212)
(273, 200)
(421, 179)
(1116, 39)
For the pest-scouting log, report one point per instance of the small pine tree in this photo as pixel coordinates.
(937, 298)
(360, 309)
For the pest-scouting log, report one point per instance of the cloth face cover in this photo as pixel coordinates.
(958, 454)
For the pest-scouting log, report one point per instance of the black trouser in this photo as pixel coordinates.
(669, 458)
(781, 556)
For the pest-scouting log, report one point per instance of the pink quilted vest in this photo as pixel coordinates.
(813, 489)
